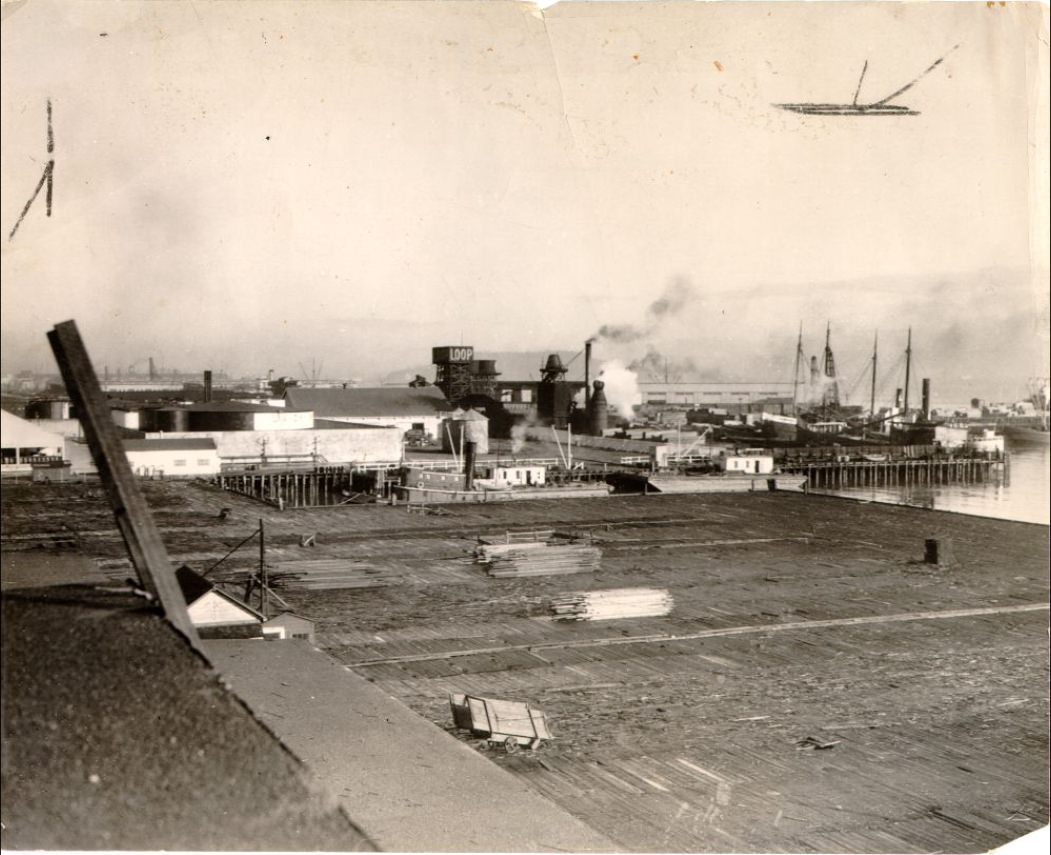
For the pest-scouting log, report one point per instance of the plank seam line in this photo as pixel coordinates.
(752, 629)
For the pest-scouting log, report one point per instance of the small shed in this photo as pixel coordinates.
(288, 625)
(518, 476)
(215, 613)
(749, 464)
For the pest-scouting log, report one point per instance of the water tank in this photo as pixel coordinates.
(49, 408)
(166, 419)
(221, 419)
(471, 426)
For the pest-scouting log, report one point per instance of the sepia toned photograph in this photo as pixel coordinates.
(500, 426)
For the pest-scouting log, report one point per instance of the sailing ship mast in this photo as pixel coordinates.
(830, 393)
(795, 376)
(872, 398)
(908, 368)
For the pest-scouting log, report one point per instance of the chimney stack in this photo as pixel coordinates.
(926, 398)
(469, 449)
(598, 410)
(207, 387)
(587, 375)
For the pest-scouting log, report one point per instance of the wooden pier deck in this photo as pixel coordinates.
(795, 618)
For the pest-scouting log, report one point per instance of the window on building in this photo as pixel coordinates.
(527, 396)
(506, 396)
(179, 462)
(202, 461)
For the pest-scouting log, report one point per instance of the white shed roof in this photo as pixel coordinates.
(17, 432)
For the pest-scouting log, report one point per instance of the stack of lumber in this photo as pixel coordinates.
(331, 574)
(612, 604)
(537, 558)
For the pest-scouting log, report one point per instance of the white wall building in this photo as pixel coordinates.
(329, 442)
(748, 464)
(692, 394)
(173, 458)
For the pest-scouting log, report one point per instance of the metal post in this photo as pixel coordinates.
(141, 537)
(264, 582)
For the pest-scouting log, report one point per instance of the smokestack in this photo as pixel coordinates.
(153, 371)
(815, 371)
(468, 464)
(598, 410)
(897, 398)
(207, 387)
(587, 374)
(926, 397)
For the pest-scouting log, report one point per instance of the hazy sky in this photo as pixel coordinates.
(246, 186)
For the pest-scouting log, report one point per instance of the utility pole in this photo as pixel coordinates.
(264, 583)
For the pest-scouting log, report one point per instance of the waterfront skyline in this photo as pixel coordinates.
(249, 187)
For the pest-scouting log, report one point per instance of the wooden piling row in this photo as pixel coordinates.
(902, 473)
(322, 488)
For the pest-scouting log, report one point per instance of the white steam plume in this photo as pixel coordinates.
(622, 387)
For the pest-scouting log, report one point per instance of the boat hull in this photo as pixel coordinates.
(1027, 435)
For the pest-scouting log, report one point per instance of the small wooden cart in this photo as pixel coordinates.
(508, 724)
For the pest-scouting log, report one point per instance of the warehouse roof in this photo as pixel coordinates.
(174, 444)
(370, 402)
(232, 407)
(17, 432)
(118, 736)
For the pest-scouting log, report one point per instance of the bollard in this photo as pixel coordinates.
(938, 551)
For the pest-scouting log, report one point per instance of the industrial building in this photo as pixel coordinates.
(215, 415)
(254, 433)
(168, 457)
(406, 408)
(713, 394)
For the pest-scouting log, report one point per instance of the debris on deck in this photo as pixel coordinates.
(509, 724)
(613, 604)
(810, 743)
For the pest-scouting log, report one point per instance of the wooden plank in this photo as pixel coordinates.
(141, 537)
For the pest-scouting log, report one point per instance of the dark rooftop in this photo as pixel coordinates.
(164, 444)
(138, 745)
(369, 403)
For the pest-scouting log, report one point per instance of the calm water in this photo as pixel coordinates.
(1026, 498)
